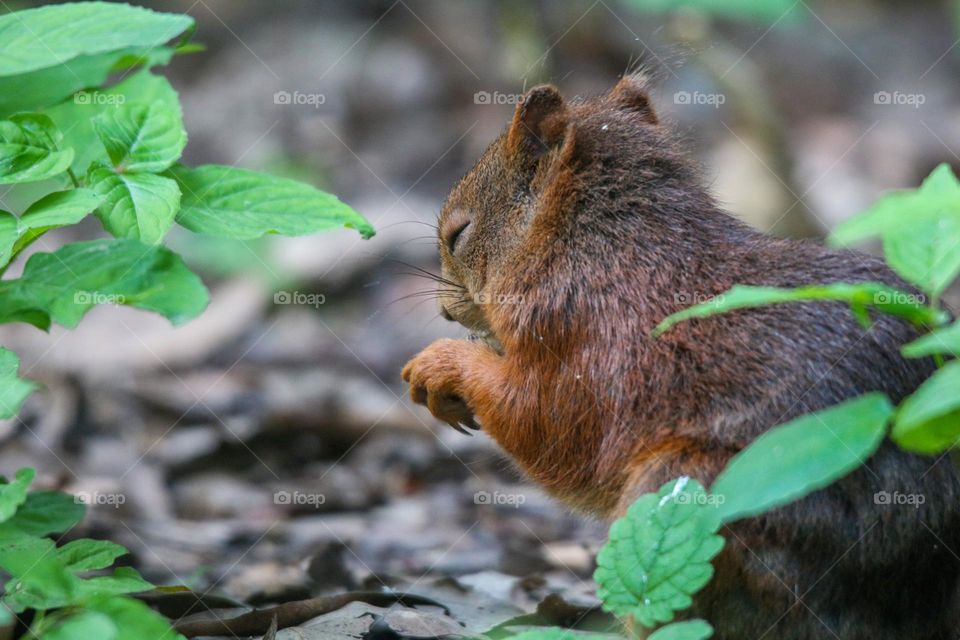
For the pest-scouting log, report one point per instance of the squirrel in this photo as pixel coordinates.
(579, 229)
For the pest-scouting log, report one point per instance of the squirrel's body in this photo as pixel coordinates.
(579, 230)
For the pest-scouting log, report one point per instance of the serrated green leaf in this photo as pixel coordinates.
(65, 284)
(928, 421)
(74, 117)
(141, 206)
(929, 255)
(13, 494)
(659, 553)
(90, 625)
(134, 619)
(86, 554)
(13, 389)
(689, 630)
(43, 513)
(28, 149)
(53, 210)
(141, 137)
(237, 203)
(801, 456)
(945, 341)
(860, 296)
(50, 36)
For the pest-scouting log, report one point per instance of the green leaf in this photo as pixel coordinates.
(236, 203)
(795, 459)
(928, 421)
(74, 117)
(39, 580)
(140, 137)
(122, 580)
(85, 624)
(86, 554)
(13, 389)
(43, 513)
(50, 36)
(920, 229)
(689, 630)
(13, 494)
(889, 300)
(659, 553)
(65, 284)
(771, 12)
(946, 340)
(141, 206)
(28, 149)
(35, 90)
(556, 633)
(134, 619)
(53, 210)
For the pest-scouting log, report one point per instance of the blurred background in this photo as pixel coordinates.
(268, 449)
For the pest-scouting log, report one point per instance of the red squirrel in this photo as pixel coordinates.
(583, 226)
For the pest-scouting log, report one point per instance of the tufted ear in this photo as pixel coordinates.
(631, 94)
(538, 122)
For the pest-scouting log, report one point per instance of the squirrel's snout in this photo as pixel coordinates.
(445, 314)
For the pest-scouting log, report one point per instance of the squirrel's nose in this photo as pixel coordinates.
(445, 314)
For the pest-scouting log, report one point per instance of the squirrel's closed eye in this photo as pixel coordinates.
(455, 234)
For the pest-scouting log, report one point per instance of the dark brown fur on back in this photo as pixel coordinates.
(584, 227)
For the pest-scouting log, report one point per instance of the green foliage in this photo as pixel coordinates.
(860, 297)
(659, 553)
(71, 146)
(929, 420)
(920, 230)
(689, 630)
(763, 11)
(236, 203)
(29, 149)
(801, 456)
(13, 389)
(45, 577)
(942, 341)
(112, 151)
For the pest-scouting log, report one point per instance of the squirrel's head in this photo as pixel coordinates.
(559, 163)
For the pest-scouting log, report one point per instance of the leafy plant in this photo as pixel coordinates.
(658, 553)
(73, 146)
(67, 581)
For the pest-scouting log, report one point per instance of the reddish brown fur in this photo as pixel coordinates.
(586, 226)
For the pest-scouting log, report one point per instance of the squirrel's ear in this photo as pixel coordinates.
(539, 121)
(631, 94)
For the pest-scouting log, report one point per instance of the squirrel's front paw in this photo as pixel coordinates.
(436, 380)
